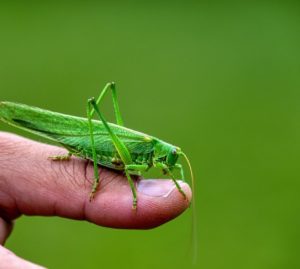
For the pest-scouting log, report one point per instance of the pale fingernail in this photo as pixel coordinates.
(157, 187)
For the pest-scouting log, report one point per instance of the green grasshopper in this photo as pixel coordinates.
(110, 145)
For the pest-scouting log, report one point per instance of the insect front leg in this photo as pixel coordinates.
(180, 168)
(165, 168)
(134, 167)
(121, 149)
(110, 86)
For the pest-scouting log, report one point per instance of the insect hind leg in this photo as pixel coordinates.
(95, 159)
(121, 149)
(110, 86)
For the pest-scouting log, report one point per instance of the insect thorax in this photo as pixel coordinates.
(166, 153)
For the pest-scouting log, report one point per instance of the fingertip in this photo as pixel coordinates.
(167, 206)
(159, 201)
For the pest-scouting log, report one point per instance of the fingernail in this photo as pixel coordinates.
(157, 187)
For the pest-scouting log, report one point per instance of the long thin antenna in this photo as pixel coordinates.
(194, 215)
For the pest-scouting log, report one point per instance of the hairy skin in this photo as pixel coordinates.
(31, 184)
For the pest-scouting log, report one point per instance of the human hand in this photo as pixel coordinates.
(31, 184)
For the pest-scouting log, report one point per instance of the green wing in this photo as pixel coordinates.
(73, 132)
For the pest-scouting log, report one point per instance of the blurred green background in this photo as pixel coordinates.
(220, 80)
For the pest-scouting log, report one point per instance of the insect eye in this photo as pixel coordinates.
(174, 151)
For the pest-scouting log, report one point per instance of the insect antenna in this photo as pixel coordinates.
(194, 216)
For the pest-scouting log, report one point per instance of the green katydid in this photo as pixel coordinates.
(110, 145)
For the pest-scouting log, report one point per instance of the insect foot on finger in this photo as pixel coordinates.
(179, 188)
(92, 196)
(183, 193)
(93, 192)
(134, 205)
(94, 189)
(65, 157)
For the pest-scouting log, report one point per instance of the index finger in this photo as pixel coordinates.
(32, 184)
